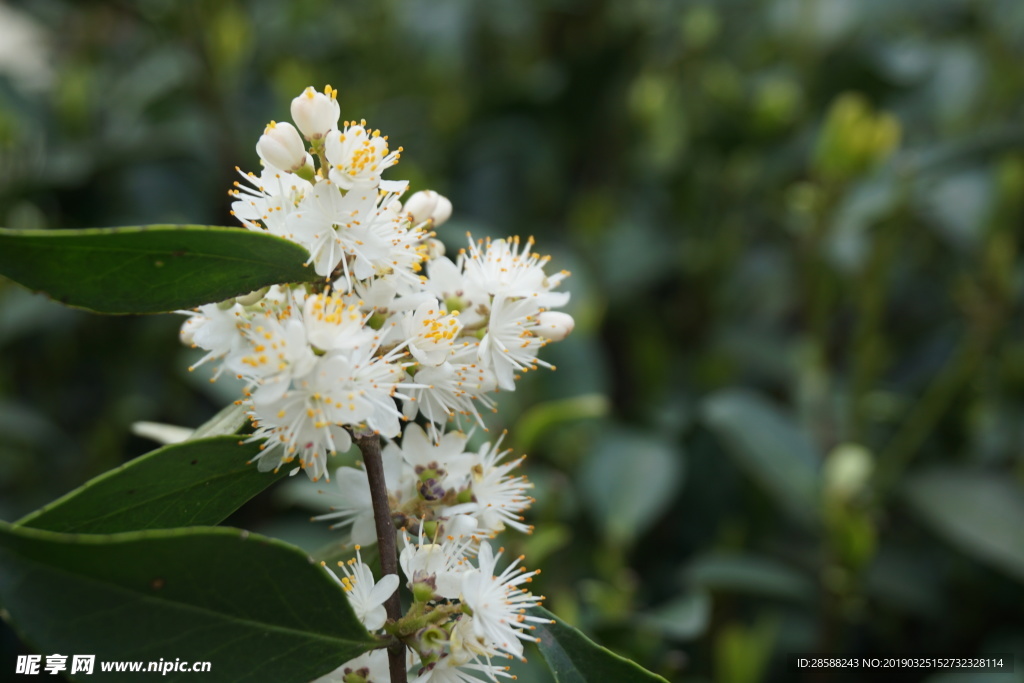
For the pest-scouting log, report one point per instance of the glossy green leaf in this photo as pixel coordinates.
(980, 513)
(259, 610)
(574, 658)
(769, 446)
(149, 269)
(187, 484)
(629, 479)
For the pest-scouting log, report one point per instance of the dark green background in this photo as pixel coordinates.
(744, 301)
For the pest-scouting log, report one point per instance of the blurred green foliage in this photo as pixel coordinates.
(791, 417)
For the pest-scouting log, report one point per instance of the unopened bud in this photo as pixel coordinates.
(423, 591)
(554, 325)
(282, 147)
(847, 471)
(443, 210)
(316, 113)
(421, 205)
(357, 676)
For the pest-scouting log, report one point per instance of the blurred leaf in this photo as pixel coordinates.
(958, 205)
(684, 618)
(23, 313)
(849, 240)
(982, 514)
(751, 575)
(191, 483)
(574, 658)
(629, 479)
(768, 445)
(200, 594)
(545, 540)
(541, 417)
(742, 653)
(906, 579)
(149, 269)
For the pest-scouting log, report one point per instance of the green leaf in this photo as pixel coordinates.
(982, 514)
(151, 269)
(684, 618)
(769, 446)
(629, 479)
(257, 609)
(191, 483)
(538, 419)
(750, 574)
(574, 658)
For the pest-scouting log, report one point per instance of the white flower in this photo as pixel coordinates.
(449, 670)
(276, 352)
(213, 328)
(357, 155)
(316, 113)
(448, 453)
(510, 345)
(273, 196)
(448, 391)
(440, 564)
(281, 147)
(374, 663)
(366, 597)
(497, 603)
(333, 324)
(301, 424)
(353, 505)
(508, 267)
(446, 281)
(363, 233)
(497, 497)
(430, 332)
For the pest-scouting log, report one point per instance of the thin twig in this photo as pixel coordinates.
(369, 446)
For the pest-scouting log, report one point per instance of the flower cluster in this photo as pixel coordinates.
(396, 330)
(401, 342)
(438, 487)
(466, 614)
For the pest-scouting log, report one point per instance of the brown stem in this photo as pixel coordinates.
(369, 446)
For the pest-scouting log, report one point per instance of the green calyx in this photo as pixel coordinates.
(455, 303)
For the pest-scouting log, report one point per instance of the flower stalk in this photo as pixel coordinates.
(369, 446)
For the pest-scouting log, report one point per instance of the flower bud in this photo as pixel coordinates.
(421, 205)
(428, 205)
(316, 113)
(423, 591)
(442, 212)
(281, 147)
(554, 325)
(847, 471)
